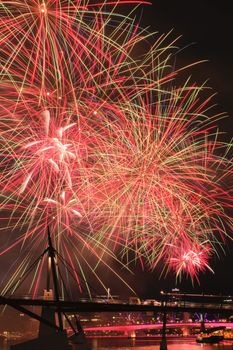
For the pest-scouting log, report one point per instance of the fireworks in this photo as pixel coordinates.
(101, 146)
(190, 260)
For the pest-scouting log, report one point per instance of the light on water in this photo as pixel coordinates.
(144, 344)
(153, 344)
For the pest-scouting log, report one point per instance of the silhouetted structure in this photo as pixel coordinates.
(51, 335)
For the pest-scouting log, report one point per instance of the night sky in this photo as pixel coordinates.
(206, 28)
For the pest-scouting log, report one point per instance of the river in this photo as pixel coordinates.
(146, 344)
(153, 344)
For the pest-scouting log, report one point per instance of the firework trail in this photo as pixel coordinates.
(167, 186)
(101, 146)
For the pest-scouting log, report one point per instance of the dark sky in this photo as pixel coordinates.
(206, 27)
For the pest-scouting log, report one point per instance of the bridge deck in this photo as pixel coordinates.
(77, 306)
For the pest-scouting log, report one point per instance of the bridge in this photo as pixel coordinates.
(138, 327)
(200, 303)
(205, 306)
(50, 329)
(191, 303)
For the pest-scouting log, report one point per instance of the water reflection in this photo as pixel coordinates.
(178, 347)
(145, 344)
(153, 344)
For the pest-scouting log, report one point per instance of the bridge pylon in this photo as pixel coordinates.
(163, 343)
(202, 328)
(51, 333)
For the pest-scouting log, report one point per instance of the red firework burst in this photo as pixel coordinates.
(190, 259)
(97, 145)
